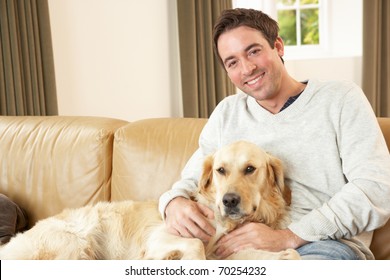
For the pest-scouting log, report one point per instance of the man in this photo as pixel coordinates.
(335, 157)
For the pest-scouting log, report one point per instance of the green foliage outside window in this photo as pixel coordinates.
(287, 25)
(308, 22)
(309, 27)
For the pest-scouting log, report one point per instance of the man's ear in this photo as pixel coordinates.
(276, 177)
(207, 174)
(279, 46)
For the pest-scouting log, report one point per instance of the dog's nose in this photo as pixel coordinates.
(231, 200)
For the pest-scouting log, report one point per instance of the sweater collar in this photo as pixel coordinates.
(293, 105)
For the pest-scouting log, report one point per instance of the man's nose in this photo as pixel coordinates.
(248, 67)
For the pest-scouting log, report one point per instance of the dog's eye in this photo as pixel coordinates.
(221, 171)
(249, 170)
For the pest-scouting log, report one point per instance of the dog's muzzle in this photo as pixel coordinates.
(231, 202)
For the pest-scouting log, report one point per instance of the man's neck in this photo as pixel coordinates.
(274, 105)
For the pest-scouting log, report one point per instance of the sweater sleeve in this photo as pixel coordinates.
(363, 203)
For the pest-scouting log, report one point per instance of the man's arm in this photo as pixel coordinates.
(362, 203)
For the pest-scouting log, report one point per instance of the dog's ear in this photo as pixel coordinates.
(276, 177)
(207, 174)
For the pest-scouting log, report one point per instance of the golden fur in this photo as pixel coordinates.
(240, 183)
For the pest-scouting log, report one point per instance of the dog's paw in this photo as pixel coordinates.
(289, 254)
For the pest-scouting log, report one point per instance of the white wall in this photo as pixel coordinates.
(116, 58)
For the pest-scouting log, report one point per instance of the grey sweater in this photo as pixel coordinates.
(335, 158)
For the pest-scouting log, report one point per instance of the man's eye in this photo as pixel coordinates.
(231, 64)
(221, 171)
(254, 52)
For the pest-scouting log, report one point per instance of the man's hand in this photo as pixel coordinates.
(257, 236)
(188, 218)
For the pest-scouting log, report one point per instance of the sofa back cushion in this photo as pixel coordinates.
(150, 154)
(51, 163)
(380, 244)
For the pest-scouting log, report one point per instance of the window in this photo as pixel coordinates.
(303, 29)
(299, 22)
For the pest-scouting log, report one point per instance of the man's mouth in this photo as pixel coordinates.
(255, 80)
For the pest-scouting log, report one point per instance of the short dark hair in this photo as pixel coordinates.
(233, 18)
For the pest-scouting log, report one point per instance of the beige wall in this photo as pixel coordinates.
(115, 58)
(336, 68)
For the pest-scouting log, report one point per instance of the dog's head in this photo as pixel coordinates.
(245, 184)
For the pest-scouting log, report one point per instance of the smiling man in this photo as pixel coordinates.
(334, 154)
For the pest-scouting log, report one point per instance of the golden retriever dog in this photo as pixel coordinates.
(240, 182)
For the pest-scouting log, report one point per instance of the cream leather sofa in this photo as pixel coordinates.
(50, 163)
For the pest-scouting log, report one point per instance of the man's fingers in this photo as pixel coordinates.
(206, 211)
(189, 219)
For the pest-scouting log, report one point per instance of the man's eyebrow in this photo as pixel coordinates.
(252, 46)
(227, 59)
(246, 49)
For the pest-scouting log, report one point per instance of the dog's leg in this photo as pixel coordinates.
(252, 254)
(163, 245)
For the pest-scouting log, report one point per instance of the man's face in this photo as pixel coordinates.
(252, 65)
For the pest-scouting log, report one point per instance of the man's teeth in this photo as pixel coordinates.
(254, 80)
